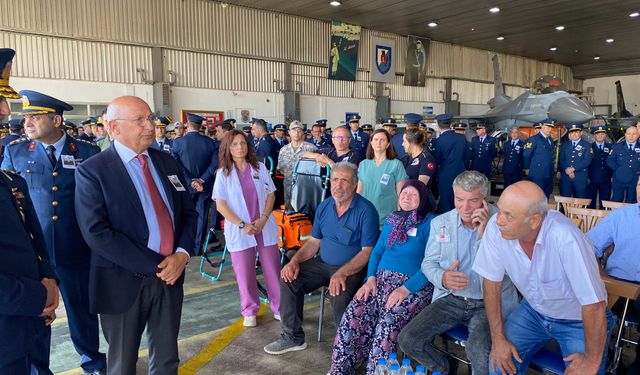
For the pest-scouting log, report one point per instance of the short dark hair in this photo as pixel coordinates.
(261, 123)
(390, 153)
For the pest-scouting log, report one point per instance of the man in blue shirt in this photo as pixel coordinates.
(573, 163)
(359, 139)
(513, 163)
(599, 187)
(539, 157)
(343, 236)
(484, 150)
(624, 160)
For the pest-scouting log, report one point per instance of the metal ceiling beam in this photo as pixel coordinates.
(607, 69)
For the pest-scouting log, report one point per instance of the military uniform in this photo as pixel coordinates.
(513, 163)
(483, 152)
(287, 160)
(599, 186)
(624, 160)
(359, 139)
(49, 172)
(577, 155)
(452, 156)
(14, 125)
(280, 143)
(164, 144)
(539, 160)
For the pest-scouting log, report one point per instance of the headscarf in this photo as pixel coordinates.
(401, 221)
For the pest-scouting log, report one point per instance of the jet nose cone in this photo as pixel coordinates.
(570, 109)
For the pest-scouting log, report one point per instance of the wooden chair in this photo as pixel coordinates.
(566, 202)
(576, 221)
(589, 217)
(611, 205)
(617, 289)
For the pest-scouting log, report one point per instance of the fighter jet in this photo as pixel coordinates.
(622, 119)
(548, 99)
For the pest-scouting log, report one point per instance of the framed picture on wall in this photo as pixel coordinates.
(244, 115)
(212, 117)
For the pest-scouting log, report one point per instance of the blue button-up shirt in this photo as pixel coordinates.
(58, 145)
(617, 228)
(467, 249)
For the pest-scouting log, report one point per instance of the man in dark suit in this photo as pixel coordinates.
(140, 224)
(483, 151)
(198, 156)
(47, 159)
(452, 155)
(599, 187)
(539, 157)
(29, 293)
(513, 163)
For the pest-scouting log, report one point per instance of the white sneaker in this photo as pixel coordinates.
(249, 321)
(277, 317)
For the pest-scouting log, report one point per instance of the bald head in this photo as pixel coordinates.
(129, 119)
(522, 208)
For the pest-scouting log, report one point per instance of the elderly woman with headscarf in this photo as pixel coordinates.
(396, 290)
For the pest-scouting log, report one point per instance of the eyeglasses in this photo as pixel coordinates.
(139, 120)
(342, 137)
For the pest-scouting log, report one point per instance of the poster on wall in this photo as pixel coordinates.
(415, 66)
(212, 117)
(244, 115)
(383, 64)
(343, 52)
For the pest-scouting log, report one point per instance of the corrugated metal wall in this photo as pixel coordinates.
(234, 31)
(60, 58)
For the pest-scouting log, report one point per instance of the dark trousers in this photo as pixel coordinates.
(511, 178)
(202, 203)
(545, 183)
(624, 193)
(83, 325)
(600, 191)
(313, 275)
(39, 352)
(443, 314)
(17, 367)
(446, 193)
(573, 188)
(158, 306)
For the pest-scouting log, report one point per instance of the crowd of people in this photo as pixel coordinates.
(108, 214)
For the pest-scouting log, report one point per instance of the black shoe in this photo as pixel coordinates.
(453, 365)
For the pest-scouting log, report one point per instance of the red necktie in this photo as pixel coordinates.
(162, 213)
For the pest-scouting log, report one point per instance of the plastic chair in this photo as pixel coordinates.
(611, 205)
(548, 360)
(459, 336)
(567, 202)
(590, 217)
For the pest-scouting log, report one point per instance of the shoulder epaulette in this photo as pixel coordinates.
(85, 141)
(19, 140)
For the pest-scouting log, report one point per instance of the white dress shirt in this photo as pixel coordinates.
(562, 275)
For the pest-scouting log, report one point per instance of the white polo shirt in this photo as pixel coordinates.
(562, 275)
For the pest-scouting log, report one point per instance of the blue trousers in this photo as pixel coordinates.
(39, 353)
(202, 203)
(530, 331)
(545, 183)
(83, 325)
(600, 191)
(573, 188)
(511, 178)
(624, 193)
(446, 193)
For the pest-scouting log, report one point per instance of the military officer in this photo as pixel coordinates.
(47, 159)
(599, 187)
(16, 130)
(483, 151)
(388, 124)
(318, 138)
(539, 157)
(161, 142)
(411, 120)
(69, 128)
(512, 164)
(359, 139)
(265, 145)
(87, 132)
(573, 164)
(460, 127)
(280, 136)
(198, 156)
(368, 128)
(624, 160)
(429, 144)
(452, 155)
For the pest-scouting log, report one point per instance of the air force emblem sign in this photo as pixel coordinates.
(384, 55)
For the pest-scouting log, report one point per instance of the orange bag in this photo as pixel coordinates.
(294, 229)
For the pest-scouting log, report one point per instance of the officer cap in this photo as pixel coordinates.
(548, 122)
(178, 124)
(429, 130)
(389, 122)
(412, 118)
(354, 118)
(599, 129)
(444, 118)
(231, 121)
(162, 121)
(480, 125)
(68, 124)
(36, 103)
(575, 127)
(282, 127)
(198, 120)
(460, 126)
(368, 127)
(90, 121)
(329, 131)
(322, 122)
(16, 123)
(6, 57)
(4, 128)
(537, 125)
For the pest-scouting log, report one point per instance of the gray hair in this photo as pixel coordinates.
(347, 166)
(541, 206)
(471, 181)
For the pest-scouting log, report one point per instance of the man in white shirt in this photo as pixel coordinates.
(554, 267)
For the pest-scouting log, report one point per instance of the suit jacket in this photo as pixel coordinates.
(598, 171)
(539, 156)
(198, 156)
(116, 230)
(52, 190)
(513, 162)
(24, 264)
(452, 155)
(439, 256)
(482, 154)
(166, 145)
(579, 158)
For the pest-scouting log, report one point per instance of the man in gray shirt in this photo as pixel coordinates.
(454, 239)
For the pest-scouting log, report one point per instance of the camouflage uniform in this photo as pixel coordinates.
(287, 161)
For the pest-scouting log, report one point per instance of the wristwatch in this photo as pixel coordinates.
(241, 225)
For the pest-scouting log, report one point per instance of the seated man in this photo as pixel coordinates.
(623, 262)
(340, 151)
(552, 264)
(344, 233)
(457, 297)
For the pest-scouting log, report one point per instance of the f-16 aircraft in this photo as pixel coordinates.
(622, 119)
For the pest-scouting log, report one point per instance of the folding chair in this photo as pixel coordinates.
(589, 217)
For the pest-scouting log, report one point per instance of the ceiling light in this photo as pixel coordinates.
(634, 14)
(610, 40)
(560, 28)
(432, 24)
(494, 10)
(596, 57)
(500, 37)
(473, 29)
(553, 48)
(335, 3)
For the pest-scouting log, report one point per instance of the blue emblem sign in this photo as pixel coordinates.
(383, 58)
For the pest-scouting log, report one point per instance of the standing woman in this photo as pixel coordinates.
(418, 161)
(381, 176)
(244, 195)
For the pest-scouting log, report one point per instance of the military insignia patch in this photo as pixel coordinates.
(528, 145)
